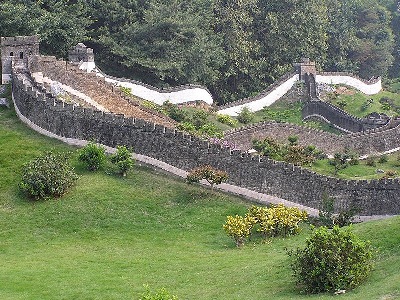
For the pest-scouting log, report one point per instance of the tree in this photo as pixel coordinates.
(233, 22)
(93, 156)
(211, 175)
(172, 43)
(49, 175)
(332, 260)
(123, 160)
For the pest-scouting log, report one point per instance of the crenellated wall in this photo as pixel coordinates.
(341, 119)
(185, 152)
(379, 140)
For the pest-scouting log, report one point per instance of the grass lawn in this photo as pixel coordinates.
(109, 236)
(360, 105)
(362, 170)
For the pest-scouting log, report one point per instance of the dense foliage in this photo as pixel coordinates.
(93, 156)
(292, 152)
(235, 48)
(49, 175)
(122, 159)
(212, 175)
(332, 260)
(276, 220)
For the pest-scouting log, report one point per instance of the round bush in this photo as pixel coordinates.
(93, 156)
(48, 175)
(332, 260)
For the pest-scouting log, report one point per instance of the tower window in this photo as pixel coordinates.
(21, 55)
(11, 53)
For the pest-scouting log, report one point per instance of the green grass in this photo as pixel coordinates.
(356, 103)
(109, 236)
(360, 171)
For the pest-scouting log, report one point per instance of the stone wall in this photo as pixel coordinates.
(341, 119)
(372, 141)
(185, 152)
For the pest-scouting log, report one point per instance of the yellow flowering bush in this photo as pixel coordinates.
(239, 228)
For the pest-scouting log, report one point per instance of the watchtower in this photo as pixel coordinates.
(83, 57)
(307, 73)
(17, 50)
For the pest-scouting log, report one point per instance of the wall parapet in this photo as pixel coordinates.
(186, 152)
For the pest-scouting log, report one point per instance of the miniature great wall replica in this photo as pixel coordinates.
(97, 110)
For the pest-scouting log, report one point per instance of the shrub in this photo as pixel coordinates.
(123, 160)
(390, 174)
(332, 260)
(211, 175)
(161, 294)
(173, 111)
(93, 156)
(245, 116)
(49, 175)
(228, 120)
(239, 228)
(326, 216)
(371, 161)
(210, 130)
(187, 126)
(383, 159)
(199, 118)
(277, 220)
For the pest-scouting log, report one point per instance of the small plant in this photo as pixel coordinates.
(210, 130)
(93, 156)
(211, 175)
(332, 260)
(390, 174)
(239, 228)
(199, 118)
(173, 111)
(293, 140)
(187, 126)
(371, 161)
(383, 159)
(342, 103)
(228, 120)
(49, 175)
(123, 160)
(245, 116)
(327, 217)
(161, 294)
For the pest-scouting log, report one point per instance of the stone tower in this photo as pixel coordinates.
(17, 49)
(83, 57)
(308, 73)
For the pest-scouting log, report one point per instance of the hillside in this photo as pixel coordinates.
(109, 236)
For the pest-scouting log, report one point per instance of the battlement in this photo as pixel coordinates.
(19, 41)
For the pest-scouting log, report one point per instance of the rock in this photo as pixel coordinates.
(4, 102)
(380, 171)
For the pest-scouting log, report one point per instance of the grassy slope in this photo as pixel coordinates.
(109, 236)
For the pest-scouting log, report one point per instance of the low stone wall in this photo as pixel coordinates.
(339, 118)
(372, 141)
(186, 152)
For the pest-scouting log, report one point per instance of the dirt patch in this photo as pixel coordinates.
(342, 90)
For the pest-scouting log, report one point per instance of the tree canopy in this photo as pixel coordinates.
(235, 48)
